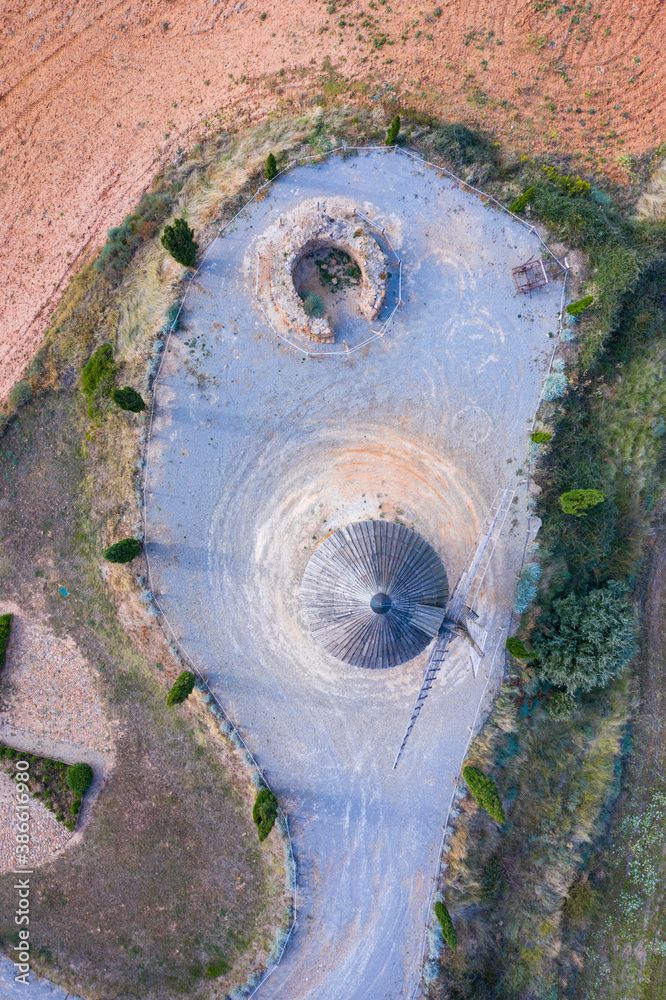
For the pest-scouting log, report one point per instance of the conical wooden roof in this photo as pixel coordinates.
(373, 594)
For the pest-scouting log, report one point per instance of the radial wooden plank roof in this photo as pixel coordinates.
(380, 564)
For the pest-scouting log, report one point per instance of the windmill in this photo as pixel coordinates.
(460, 619)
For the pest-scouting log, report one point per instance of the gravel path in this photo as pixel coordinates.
(257, 454)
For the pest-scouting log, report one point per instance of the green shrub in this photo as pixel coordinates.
(561, 705)
(578, 501)
(5, 628)
(128, 399)
(540, 437)
(79, 778)
(518, 649)
(313, 306)
(585, 641)
(393, 131)
(19, 394)
(484, 791)
(182, 688)
(271, 167)
(574, 308)
(219, 966)
(265, 812)
(519, 204)
(445, 922)
(178, 239)
(75, 807)
(123, 551)
(98, 374)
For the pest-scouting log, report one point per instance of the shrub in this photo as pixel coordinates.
(484, 791)
(393, 131)
(5, 628)
(79, 778)
(574, 308)
(540, 437)
(178, 239)
(561, 705)
(313, 306)
(555, 386)
(519, 204)
(98, 374)
(123, 551)
(572, 185)
(75, 807)
(583, 642)
(128, 399)
(182, 688)
(445, 922)
(578, 501)
(19, 394)
(518, 649)
(526, 587)
(271, 167)
(265, 812)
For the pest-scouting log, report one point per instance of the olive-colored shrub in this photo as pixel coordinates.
(518, 649)
(265, 812)
(574, 308)
(79, 778)
(445, 922)
(182, 688)
(484, 791)
(519, 204)
(579, 501)
(123, 551)
(540, 437)
(98, 374)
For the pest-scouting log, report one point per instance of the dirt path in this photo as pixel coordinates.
(95, 98)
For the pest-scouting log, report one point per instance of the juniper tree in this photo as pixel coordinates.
(265, 812)
(393, 131)
(271, 167)
(182, 688)
(178, 239)
(123, 551)
(128, 399)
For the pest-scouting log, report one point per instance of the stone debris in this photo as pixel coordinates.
(46, 833)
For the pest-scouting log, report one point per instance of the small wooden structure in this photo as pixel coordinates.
(530, 275)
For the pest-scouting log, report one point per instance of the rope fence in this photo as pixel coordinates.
(489, 200)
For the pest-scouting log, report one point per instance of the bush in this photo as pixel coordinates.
(313, 306)
(583, 642)
(182, 688)
(518, 649)
(555, 386)
(178, 239)
(526, 587)
(574, 308)
(519, 204)
(484, 791)
(265, 812)
(123, 551)
(98, 374)
(393, 131)
(561, 705)
(5, 628)
(79, 778)
(19, 394)
(540, 437)
(128, 399)
(578, 501)
(271, 167)
(445, 922)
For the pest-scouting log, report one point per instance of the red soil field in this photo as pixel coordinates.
(96, 96)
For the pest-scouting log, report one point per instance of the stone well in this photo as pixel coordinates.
(320, 231)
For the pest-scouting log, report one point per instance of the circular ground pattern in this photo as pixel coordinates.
(373, 594)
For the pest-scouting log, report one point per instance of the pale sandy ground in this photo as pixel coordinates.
(258, 453)
(96, 96)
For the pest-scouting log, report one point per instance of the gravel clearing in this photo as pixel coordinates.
(258, 453)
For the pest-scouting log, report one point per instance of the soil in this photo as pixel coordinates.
(96, 98)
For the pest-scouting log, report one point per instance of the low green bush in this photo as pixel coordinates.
(574, 308)
(518, 649)
(540, 437)
(79, 778)
(182, 688)
(19, 394)
(5, 629)
(484, 791)
(519, 204)
(577, 502)
(75, 807)
(393, 131)
(265, 812)
(98, 376)
(445, 922)
(123, 551)
(585, 641)
(128, 399)
(271, 167)
(561, 705)
(178, 239)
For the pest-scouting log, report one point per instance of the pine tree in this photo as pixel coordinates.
(271, 167)
(393, 130)
(178, 239)
(484, 791)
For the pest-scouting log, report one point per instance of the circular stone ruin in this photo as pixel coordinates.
(316, 231)
(373, 594)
